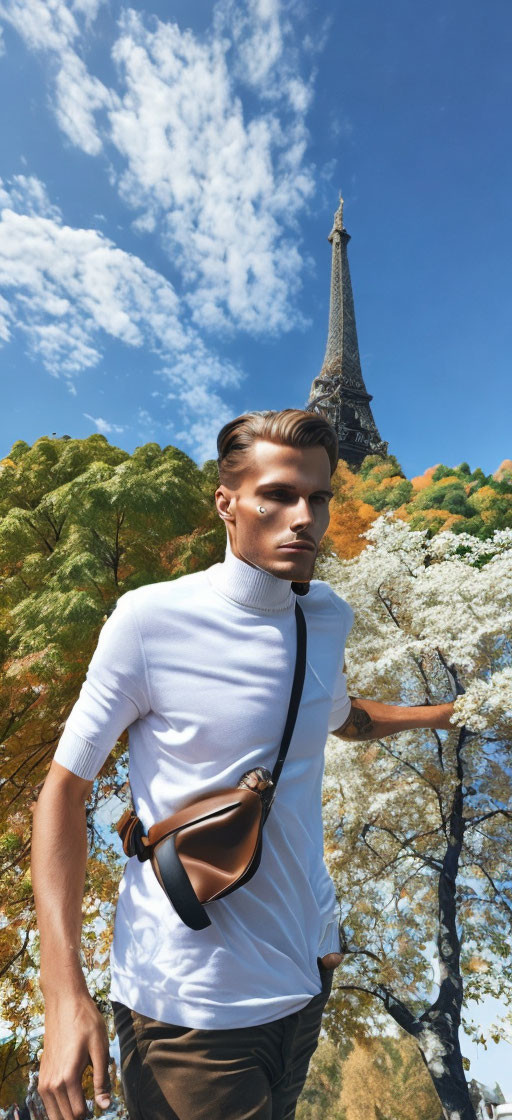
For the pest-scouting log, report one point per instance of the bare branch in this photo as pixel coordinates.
(20, 953)
(470, 821)
(396, 1008)
(421, 776)
(427, 860)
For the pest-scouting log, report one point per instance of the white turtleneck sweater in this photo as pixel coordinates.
(200, 670)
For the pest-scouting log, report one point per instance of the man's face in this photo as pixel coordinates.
(293, 486)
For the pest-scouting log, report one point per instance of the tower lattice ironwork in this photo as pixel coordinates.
(339, 391)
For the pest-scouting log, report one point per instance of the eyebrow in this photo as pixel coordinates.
(288, 486)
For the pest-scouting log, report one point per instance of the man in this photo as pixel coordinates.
(218, 1023)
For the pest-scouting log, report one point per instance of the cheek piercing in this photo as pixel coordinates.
(261, 509)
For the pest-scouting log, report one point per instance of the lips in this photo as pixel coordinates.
(299, 546)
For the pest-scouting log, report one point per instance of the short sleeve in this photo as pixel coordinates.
(113, 696)
(341, 700)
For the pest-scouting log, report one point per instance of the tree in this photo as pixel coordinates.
(81, 522)
(418, 826)
(383, 1079)
(374, 1078)
(442, 498)
(350, 516)
(15, 1062)
(319, 1099)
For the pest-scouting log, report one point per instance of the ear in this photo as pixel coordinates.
(225, 501)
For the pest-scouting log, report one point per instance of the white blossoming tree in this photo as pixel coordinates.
(418, 825)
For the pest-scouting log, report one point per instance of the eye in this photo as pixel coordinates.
(285, 496)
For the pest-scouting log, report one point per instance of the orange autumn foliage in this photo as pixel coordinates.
(421, 480)
(348, 522)
(443, 498)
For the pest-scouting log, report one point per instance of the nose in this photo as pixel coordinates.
(302, 515)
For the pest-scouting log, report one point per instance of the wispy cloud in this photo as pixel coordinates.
(195, 381)
(222, 184)
(267, 54)
(67, 289)
(53, 27)
(68, 285)
(206, 143)
(79, 97)
(28, 195)
(104, 426)
(207, 415)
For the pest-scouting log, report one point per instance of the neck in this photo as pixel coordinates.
(250, 585)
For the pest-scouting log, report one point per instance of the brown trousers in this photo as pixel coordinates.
(243, 1073)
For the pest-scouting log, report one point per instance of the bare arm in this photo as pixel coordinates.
(75, 1032)
(370, 719)
(59, 857)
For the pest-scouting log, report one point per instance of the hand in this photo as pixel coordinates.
(331, 960)
(75, 1037)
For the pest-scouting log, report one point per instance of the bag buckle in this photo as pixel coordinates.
(131, 831)
(259, 781)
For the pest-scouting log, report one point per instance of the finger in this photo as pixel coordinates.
(77, 1101)
(63, 1104)
(99, 1053)
(65, 1101)
(51, 1105)
(52, 1109)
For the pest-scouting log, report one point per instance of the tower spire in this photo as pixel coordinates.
(339, 391)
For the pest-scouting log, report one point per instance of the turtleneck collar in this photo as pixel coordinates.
(251, 587)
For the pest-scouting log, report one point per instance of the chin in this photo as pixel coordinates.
(290, 569)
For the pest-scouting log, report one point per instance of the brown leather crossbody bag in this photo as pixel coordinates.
(212, 846)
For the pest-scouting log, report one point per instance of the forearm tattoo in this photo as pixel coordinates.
(358, 725)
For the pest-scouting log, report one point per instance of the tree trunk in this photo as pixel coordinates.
(443, 1059)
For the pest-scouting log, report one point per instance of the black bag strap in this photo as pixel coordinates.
(293, 708)
(176, 882)
(178, 887)
(295, 698)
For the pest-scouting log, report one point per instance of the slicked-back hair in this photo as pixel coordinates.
(292, 427)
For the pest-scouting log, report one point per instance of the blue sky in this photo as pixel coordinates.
(169, 176)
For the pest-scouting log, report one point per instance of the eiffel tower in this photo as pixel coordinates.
(339, 392)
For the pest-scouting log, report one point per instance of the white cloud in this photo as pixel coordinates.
(194, 380)
(205, 414)
(256, 30)
(5, 333)
(70, 284)
(102, 425)
(50, 26)
(222, 186)
(88, 8)
(206, 142)
(222, 179)
(43, 24)
(265, 37)
(67, 290)
(79, 96)
(27, 194)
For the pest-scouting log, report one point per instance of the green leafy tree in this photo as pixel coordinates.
(80, 523)
(454, 498)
